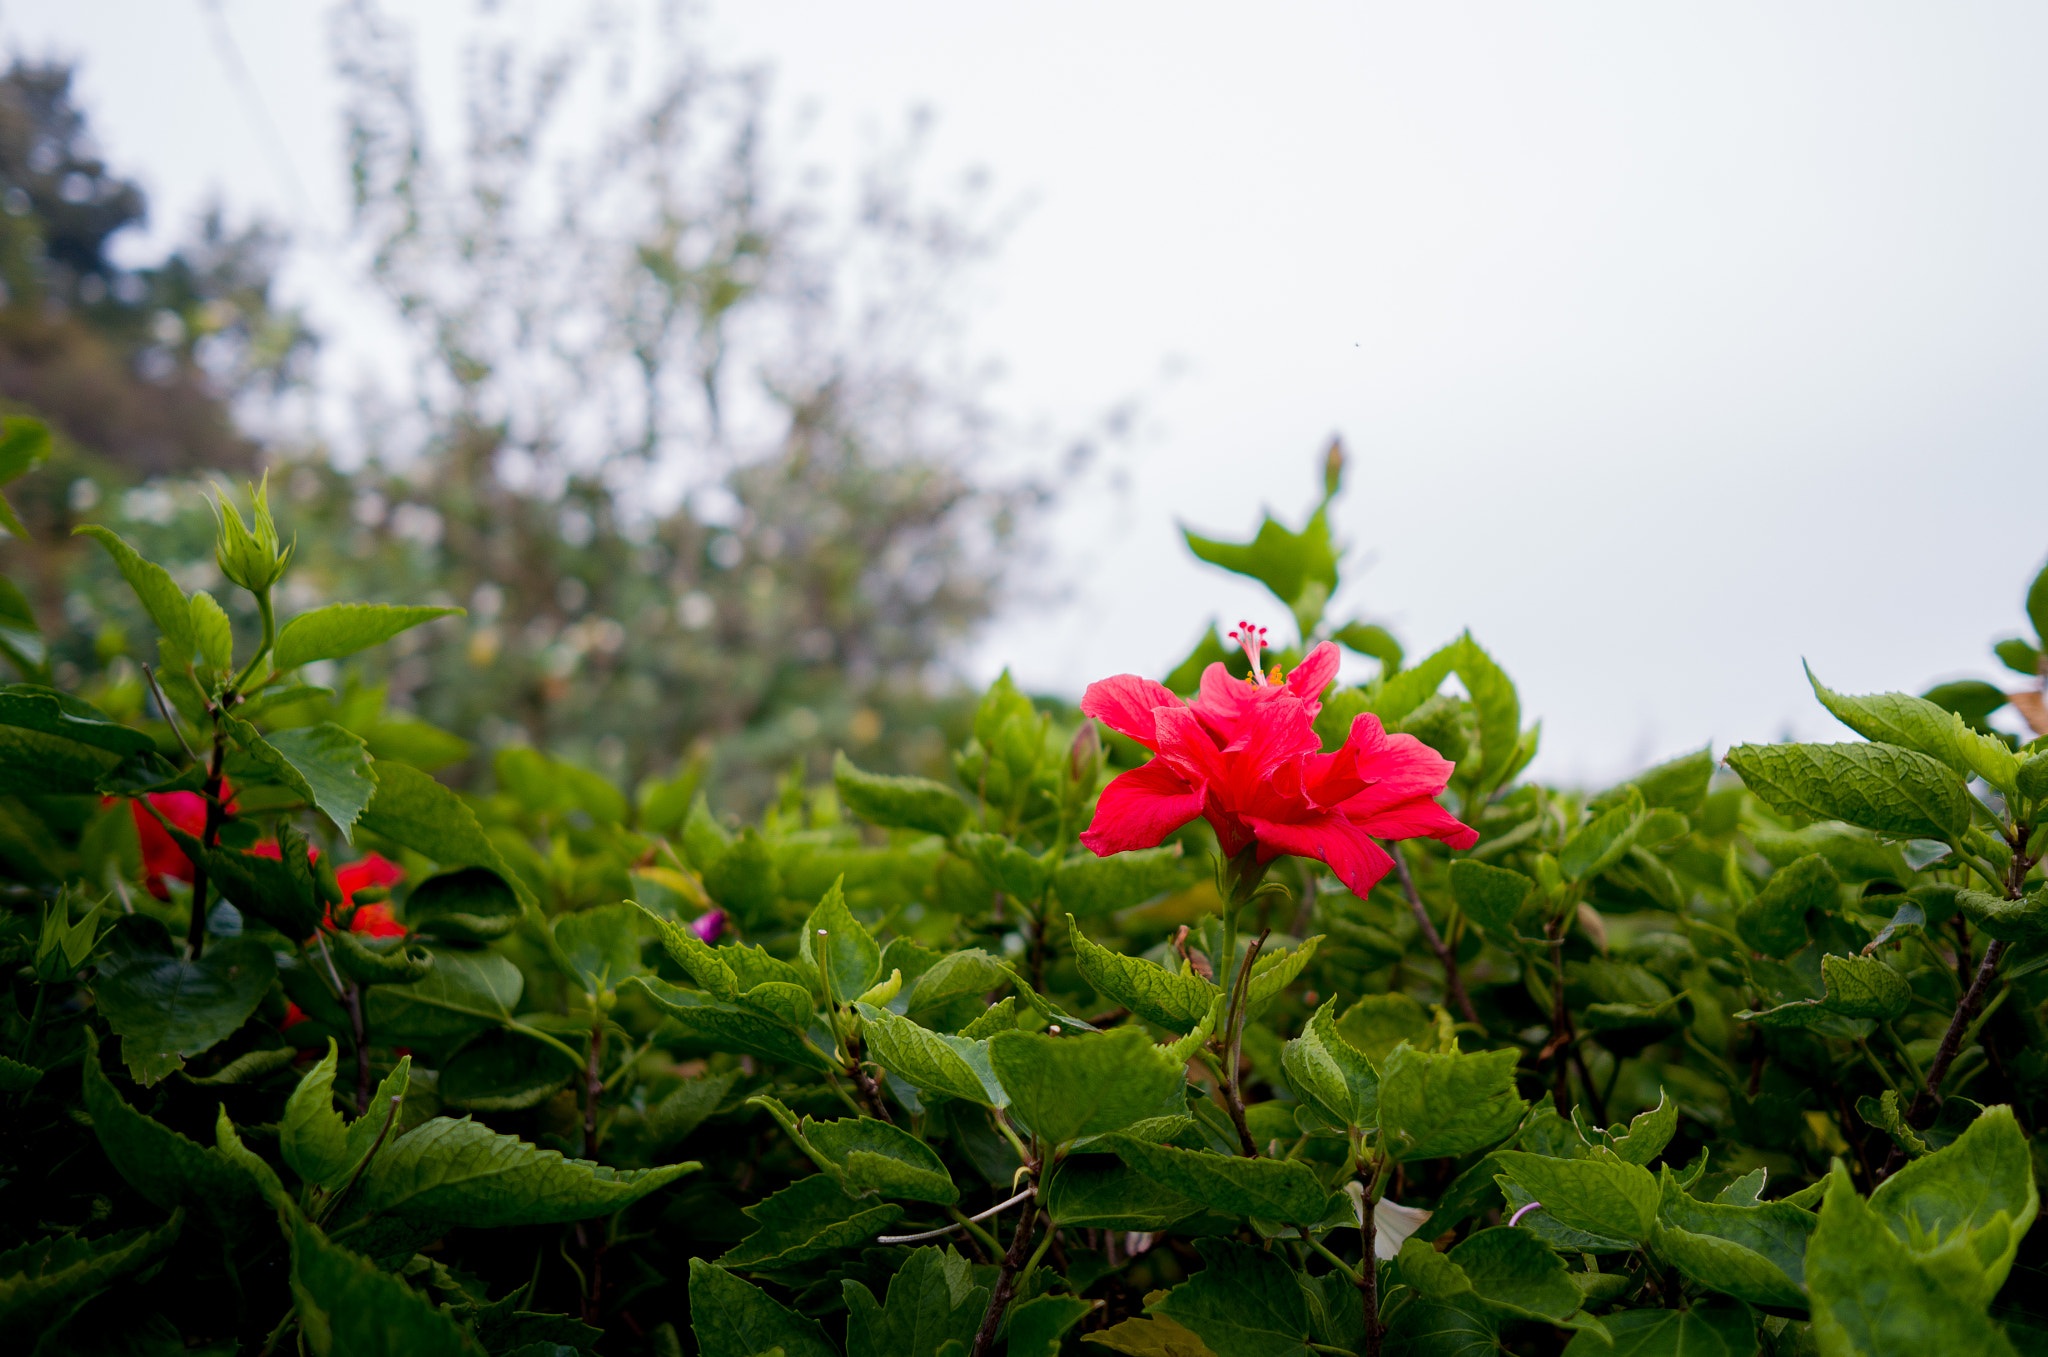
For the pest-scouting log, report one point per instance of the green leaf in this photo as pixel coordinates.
(746, 881)
(327, 765)
(278, 891)
(2037, 605)
(743, 1026)
(35, 764)
(322, 1147)
(1603, 841)
(15, 1077)
(349, 1307)
(1707, 1330)
(1098, 1192)
(1774, 923)
(465, 992)
(24, 443)
(1086, 1084)
(955, 976)
(1887, 1115)
(1490, 896)
(1432, 1105)
(502, 1071)
(1334, 1074)
(684, 1110)
(166, 1008)
(1268, 1189)
(1396, 697)
(874, 1156)
(1877, 786)
(1377, 1023)
(412, 810)
(41, 1281)
(2020, 920)
(1244, 1303)
(164, 1166)
(1089, 887)
(162, 599)
(1273, 972)
(735, 1318)
(471, 905)
(1896, 719)
(1753, 1252)
(45, 709)
(1679, 785)
(1648, 1132)
(601, 945)
(1869, 1295)
(1599, 1196)
(1157, 995)
(1515, 1271)
(811, 1218)
(898, 802)
(461, 1173)
(713, 974)
(1036, 1326)
(838, 948)
(21, 640)
(1864, 987)
(1499, 708)
(1010, 869)
(344, 628)
(213, 633)
(1369, 638)
(1427, 1328)
(2019, 657)
(1965, 1207)
(932, 1300)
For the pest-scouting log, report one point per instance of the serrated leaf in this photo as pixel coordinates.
(462, 1173)
(1602, 841)
(735, 1318)
(1093, 1191)
(41, 1281)
(1036, 1327)
(1876, 786)
(16, 1077)
(1727, 1329)
(1871, 1297)
(1299, 567)
(1396, 697)
(601, 945)
(1268, 1189)
(164, 1166)
(1977, 1191)
(464, 993)
(1515, 1271)
(166, 1008)
(1152, 992)
(1086, 1084)
(1864, 987)
(811, 1218)
(1433, 1105)
(502, 1071)
(1010, 869)
(1600, 1196)
(1774, 923)
(470, 905)
(1499, 709)
(1273, 972)
(1377, 1023)
(898, 802)
(1490, 896)
(874, 1156)
(932, 1062)
(954, 976)
(1755, 1252)
(740, 1027)
(344, 628)
(1089, 887)
(161, 598)
(2020, 920)
(413, 810)
(1337, 1076)
(348, 1306)
(35, 764)
(320, 1145)
(1434, 1328)
(932, 1301)
(1244, 1302)
(839, 949)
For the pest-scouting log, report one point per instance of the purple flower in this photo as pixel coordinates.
(709, 925)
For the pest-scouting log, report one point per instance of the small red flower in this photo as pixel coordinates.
(1245, 757)
(371, 869)
(162, 859)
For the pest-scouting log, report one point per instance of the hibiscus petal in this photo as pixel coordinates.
(1187, 747)
(1313, 675)
(1125, 704)
(1275, 732)
(1330, 838)
(1416, 819)
(1396, 768)
(1225, 700)
(1140, 808)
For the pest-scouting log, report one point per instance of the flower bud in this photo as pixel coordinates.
(1333, 469)
(1084, 756)
(62, 947)
(250, 554)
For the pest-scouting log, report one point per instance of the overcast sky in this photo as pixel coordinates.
(1672, 344)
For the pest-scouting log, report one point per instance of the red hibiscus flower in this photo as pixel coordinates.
(372, 869)
(162, 859)
(1245, 757)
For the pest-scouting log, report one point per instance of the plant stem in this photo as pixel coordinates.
(1233, 1046)
(1369, 1176)
(1560, 1021)
(216, 813)
(593, 1078)
(1454, 985)
(35, 1026)
(390, 1116)
(870, 1088)
(1006, 1283)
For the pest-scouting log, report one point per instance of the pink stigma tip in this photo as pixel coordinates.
(1515, 1218)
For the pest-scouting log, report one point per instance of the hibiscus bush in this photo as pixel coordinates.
(1245, 1013)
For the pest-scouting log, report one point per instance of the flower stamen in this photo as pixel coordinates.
(1253, 639)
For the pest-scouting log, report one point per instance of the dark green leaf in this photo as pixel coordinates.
(1433, 1105)
(1500, 712)
(932, 1300)
(1774, 923)
(1603, 841)
(322, 1147)
(1724, 1330)
(1090, 1191)
(413, 810)
(1010, 869)
(874, 1156)
(899, 802)
(1085, 1084)
(1244, 1303)
(739, 1026)
(502, 1071)
(348, 1307)
(325, 764)
(1175, 1000)
(746, 880)
(1428, 1328)
(1490, 896)
(811, 1218)
(838, 948)
(472, 905)
(1513, 1269)
(1268, 1189)
(166, 1008)
(1877, 786)
(1754, 1252)
(1599, 1196)
(164, 1166)
(932, 1062)
(1978, 1189)
(21, 640)
(35, 764)
(1377, 1023)
(461, 1173)
(2020, 920)
(1036, 1326)
(1329, 1070)
(54, 713)
(466, 992)
(601, 945)
(734, 1318)
(41, 1281)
